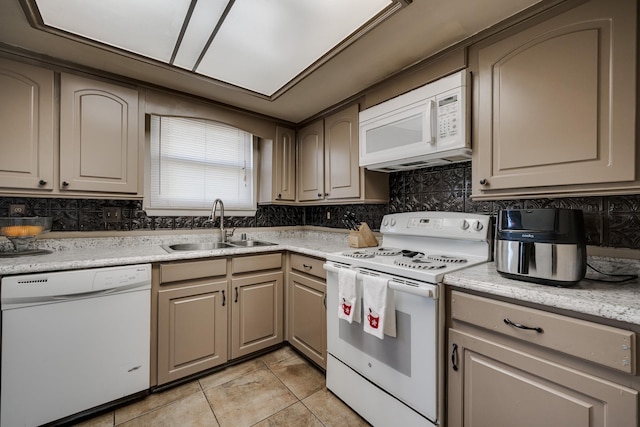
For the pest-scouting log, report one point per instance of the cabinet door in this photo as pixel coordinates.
(285, 164)
(98, 136)
(192, 329)
(308, 317)
(256, 314)
(492, 385)
(311, 162)
(27, 123)
(556, 103)
(342, 170)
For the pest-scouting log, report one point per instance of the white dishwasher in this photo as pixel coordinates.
(72, 341)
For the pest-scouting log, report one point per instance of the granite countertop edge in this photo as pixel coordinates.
(72, 254)
(614, 301)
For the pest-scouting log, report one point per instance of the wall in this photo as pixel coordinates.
(612, 221)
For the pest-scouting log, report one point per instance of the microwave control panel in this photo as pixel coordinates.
(449, 116)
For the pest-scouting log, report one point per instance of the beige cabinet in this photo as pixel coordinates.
(192, 318)
(99, 141)
(555, 104)
(257, 315)
(311, 162)
(278, 167)
(27, 108)
(328, 164)
(308, 307)
(511, 365)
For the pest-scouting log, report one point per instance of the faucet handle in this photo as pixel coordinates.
(228, 233)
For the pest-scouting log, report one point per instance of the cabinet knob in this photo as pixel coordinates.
(65, 183)
(319, 194)
(483, 181)
(326, 194)
(42, 182)
(279, 196)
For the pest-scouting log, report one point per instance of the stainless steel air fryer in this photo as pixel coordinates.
(544, 246)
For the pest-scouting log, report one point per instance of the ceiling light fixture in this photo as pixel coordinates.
(261, 46)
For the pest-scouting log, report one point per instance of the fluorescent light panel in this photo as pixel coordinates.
(261, 44)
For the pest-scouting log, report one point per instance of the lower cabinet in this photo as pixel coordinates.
(193, 332)
(256, 313)
(496, 380)
(307, 308)
(190, 307)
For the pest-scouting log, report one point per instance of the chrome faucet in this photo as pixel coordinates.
(224, 234)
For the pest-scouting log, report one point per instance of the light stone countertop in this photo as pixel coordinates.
(619, 302)
(77, 253)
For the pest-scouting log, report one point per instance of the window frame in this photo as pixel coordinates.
(190, 211)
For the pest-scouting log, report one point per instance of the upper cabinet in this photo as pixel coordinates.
(99, 147)
(555, 105)
(328, 169)
(98, 136)
(278, 167)
(27, 108)
(311, 162)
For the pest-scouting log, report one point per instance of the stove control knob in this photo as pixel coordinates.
(385, 222)
(393, 222)
(478, 226)
(464, 224)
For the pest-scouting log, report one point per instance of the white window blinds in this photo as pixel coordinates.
(195, 161)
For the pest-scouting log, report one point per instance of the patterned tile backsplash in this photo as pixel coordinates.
(612, 221)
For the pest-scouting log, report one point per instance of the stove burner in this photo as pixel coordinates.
(448, 259)
(419, 264)
(358, 254)
(384, 251)
(412, 254)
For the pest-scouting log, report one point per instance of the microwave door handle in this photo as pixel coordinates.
(431, 122)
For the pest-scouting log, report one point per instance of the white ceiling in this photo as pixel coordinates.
(257, 45)
(415, 32)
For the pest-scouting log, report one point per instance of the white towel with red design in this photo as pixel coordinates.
(379, 307)
(348, 296)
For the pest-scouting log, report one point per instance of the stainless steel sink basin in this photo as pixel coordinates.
(204, 246)
(250, 243)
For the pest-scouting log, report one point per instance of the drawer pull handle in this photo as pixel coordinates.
(519, 326)
(224, 298)
(454, 357)
(307, 267)
(236, 294)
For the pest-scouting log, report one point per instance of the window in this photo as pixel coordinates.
(192, 162)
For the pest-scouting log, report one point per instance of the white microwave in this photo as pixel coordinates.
(424, 127)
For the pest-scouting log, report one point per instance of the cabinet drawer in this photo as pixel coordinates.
(606, 345)
(308, 265)
(256, 263)
(192, 270)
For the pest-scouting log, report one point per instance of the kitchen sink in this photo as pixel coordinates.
(251, 243)
(204, 246)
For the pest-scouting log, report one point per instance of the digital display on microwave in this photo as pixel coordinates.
(447, 101)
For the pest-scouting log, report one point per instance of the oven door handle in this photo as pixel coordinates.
(430, 291)
(427, 292)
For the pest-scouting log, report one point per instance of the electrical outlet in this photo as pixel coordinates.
(328, 214)
(17, 210)
(112, 214)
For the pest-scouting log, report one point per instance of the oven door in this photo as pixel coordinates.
(405, 366)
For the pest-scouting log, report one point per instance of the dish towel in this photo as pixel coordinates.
(379, 307)
(348, 296)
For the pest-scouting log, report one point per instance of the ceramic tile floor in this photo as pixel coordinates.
(277, 389)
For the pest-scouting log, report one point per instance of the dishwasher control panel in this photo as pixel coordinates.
(121, 277)
(61, 285)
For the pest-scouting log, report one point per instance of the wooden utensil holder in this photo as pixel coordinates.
(363, 237)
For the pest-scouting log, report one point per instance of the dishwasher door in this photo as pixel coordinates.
(72, 341)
